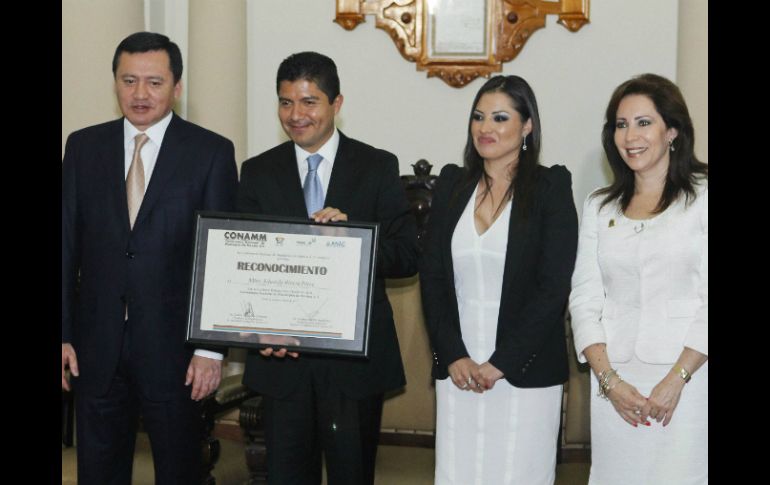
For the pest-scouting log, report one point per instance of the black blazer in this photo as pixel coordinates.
(365, 185)
(530, 344)
(147, 268)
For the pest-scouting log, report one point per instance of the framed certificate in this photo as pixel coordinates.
(260, 281)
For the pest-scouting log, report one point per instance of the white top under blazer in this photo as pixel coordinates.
(641, 286)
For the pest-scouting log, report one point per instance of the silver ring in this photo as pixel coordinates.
(470, 380)
(637, 411)
(465, 386)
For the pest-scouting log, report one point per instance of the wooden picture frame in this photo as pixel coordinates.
(442, 36)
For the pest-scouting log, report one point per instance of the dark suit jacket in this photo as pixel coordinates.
(147, 268)
(365, 185)
(530, 343)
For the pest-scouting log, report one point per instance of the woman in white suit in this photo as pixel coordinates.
(639, 300)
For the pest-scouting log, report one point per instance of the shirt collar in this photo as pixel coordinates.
(328, 150)
(156, 132)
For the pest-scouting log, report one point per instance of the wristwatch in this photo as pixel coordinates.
(684, 375)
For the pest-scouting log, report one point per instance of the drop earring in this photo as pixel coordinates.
(524, 145)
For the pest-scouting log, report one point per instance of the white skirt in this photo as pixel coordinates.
(676, 454)
(506, 435)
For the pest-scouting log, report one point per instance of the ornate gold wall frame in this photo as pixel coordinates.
(460, 40)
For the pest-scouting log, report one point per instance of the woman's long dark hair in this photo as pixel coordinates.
(523, 100)
(683, 169)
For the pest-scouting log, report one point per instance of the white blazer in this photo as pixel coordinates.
(641, 287)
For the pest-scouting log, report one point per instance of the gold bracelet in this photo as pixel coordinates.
(684, 375)
(604, 380)
(604, 376)
(612, 387)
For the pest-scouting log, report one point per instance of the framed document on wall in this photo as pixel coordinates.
(458, 30)
(460, 40)
(260, 281)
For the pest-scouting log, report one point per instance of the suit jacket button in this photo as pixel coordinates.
(130, 255)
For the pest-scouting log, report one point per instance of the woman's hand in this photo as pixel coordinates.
(624, 397)
(461, 372)
(629, 404)
(486, 375)
(664, 398)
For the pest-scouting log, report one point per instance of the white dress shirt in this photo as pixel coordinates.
(328, 151)
(150, 149)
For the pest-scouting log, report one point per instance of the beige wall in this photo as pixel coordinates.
(693, 67)
(90, 31)
(216, 86)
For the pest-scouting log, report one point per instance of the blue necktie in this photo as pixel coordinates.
(314, 193)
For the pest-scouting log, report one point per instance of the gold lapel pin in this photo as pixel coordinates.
(612, 223)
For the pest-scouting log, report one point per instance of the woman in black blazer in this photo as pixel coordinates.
(495, 277)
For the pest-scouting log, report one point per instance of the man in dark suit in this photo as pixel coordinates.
(130, 188)
(330, 404)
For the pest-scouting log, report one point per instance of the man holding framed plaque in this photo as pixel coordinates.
(329, 404)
